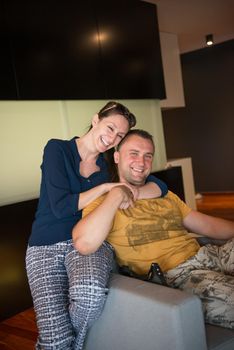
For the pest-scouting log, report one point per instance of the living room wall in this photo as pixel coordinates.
(204, 128)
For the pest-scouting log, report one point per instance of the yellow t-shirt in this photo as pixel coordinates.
(152, 231)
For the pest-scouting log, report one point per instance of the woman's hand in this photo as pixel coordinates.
(123, 195)
(89, 196)
(133, 189)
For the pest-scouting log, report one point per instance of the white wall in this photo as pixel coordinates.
(26, 126)
(172, 71)
(188, 180)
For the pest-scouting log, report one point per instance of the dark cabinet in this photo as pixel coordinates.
(8, 86)
(7, 76)
(55, 51)
(130, 49)
(80, 50)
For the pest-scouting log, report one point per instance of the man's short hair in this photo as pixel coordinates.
(139, 132)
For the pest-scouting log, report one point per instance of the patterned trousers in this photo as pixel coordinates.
(210, 275)
(68, 290)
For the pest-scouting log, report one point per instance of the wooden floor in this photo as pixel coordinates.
(20, 332)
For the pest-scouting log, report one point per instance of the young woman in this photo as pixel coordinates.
(69, 289)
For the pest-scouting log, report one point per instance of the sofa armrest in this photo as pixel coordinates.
(140, 315)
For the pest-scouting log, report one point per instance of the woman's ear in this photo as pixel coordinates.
(116, 157)
(95, 120)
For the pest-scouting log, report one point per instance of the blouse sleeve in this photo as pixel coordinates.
(57, 171)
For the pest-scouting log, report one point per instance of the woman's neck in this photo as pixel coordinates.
(86, 148)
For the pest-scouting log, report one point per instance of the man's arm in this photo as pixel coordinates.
(90, 232)
(208, 225)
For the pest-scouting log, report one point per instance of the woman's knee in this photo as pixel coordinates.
(86, 304)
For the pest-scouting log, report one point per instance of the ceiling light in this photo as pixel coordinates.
(209, 39)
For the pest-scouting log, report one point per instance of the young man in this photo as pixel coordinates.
(156, 230)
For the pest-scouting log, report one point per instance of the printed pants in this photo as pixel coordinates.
(68, 290)
(210, 275)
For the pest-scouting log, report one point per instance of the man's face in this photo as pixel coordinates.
(134, 160)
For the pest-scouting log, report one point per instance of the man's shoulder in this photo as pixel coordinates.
(170, 199)
(169, 196)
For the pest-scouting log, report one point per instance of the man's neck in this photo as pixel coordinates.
(130, 184)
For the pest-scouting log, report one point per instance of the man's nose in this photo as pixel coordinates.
(141, 160)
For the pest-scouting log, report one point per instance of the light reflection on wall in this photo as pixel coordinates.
(101, 37)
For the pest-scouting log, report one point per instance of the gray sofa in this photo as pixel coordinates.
(140, 315)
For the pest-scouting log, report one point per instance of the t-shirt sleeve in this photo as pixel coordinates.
(184, 208)
(93, 205)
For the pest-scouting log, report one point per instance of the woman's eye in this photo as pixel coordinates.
(110, 128)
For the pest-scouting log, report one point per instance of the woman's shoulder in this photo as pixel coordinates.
(57, 148)
(59, 143)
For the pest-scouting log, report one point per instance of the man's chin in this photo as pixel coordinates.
(137, 182)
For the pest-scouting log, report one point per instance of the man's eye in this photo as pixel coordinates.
(110, 128)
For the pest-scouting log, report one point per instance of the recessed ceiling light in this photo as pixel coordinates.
(209, 39)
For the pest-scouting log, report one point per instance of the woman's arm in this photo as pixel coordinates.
(89, 196)
(153, 188)
(149, 190)
(208, 225)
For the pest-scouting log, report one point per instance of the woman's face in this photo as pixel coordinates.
(109, 131)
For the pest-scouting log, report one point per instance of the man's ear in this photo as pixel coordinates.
(95, 120)
(116, 157)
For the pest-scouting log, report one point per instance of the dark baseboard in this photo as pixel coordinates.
(15, 227)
